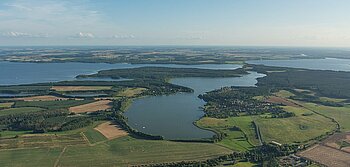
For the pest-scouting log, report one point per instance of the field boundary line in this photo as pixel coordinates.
(85, 138)
(59, 156)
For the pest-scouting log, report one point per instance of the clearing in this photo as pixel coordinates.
(111, 130)
(80, 88)
(6, 105)
(131, 92)
(281, 101)
(91, 107)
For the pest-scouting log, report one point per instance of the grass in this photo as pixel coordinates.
(340, 114)
(284, 93)
(129, 151)
(121, 152)
(94, 136)
(236, 140)
(80, 88)
(130, 92)
(244, 164)
(52, 104)
(20, 110)
(294, 129)
(29, 157)
(6, 105)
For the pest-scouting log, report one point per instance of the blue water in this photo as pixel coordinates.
(172, 116)
(313, 64)
(14, 73)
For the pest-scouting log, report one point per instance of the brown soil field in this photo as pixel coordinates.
(327, 156)
(110, 130)
(280, 100)
(91, 107)
(335, 140)
(41, 98)
(80, 88)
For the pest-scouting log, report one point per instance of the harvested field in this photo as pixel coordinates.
(340, 141)
(280, 100)
(41, 98)
(80, 88)
(327, 156)
(91, 107)
(111, 130)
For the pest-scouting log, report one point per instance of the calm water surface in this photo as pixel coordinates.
(172, 116)
(14, 73)
(314, 64)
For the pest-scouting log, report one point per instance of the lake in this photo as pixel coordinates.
(313, 64)
(172, 116)
(14, 73)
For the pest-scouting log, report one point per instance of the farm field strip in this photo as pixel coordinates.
(91, 107)
(80, 88)
(110, 130)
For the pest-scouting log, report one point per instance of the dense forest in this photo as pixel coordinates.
(324, 83)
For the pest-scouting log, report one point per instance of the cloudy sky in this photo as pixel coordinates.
(175, 22)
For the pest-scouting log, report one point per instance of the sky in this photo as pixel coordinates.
(315, 23)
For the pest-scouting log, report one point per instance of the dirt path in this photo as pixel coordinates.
(59, 157)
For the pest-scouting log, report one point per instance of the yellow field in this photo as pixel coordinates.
(6, 105)
(91, 107)
(110, 130)
(131, 92)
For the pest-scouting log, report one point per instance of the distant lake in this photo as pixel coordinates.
(14, 73)
(172, 116)
(313, 64)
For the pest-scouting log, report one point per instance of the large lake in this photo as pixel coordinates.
(314, 64)
(13, 73)
(172, 116)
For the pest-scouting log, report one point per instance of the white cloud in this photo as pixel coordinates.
(23, 35)
(123, 36)
(58, 18)
(85, 35)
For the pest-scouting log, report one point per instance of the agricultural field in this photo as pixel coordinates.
(52, 104)
(122, 152)
(130, 92)
(304, 126)
(327, 156)
(340, 114)
(20, 110)
(41, 98)
(110, 130)
(6, 105)
(80, 88)
(241, 139)
(91, 107)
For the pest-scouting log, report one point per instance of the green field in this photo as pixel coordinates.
(6, 105)
(340, 114)
(94, 136)
(19, 110)
(294, 129)
(236, 140)
(29, 157)
(52, 104)
(120, 152)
